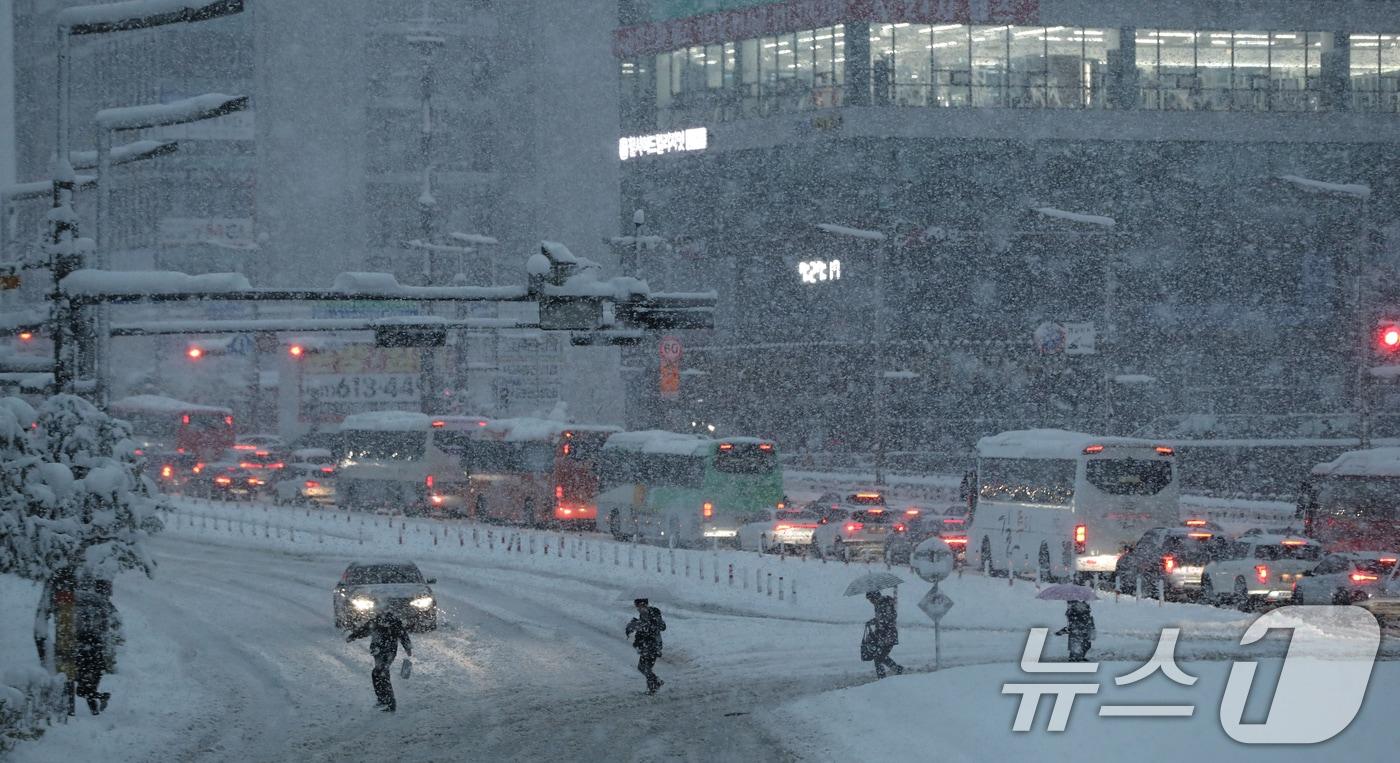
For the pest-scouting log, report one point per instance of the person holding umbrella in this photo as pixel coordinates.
(1079, 626)
(882, 631)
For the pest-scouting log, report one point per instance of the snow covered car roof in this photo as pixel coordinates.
(1373, 462)
(674, 443)
(387, 421)
(1049, 443)
(533, 429)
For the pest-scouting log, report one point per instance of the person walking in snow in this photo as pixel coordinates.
(386, 632)
(885, 632)
(1079, 628)
(86, 631)
(645, 630)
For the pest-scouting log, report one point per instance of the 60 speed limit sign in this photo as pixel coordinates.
(670, 349)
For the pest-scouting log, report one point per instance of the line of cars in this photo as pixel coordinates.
(257, 467)
(1200, 562)
(858, 526)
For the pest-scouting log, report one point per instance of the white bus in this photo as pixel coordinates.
(1062, 504)
(406, 461)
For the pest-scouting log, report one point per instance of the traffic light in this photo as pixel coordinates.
(1388, 337)
(25, 336)
(194, 352)
(296, 351)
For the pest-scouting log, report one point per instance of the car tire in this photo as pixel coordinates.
(840, 551)
(340, 623)
(1341, 597)
(1207, 594)
(1241, 595)
(763, 544)
(986, 561)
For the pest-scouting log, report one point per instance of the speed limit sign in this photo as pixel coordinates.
(670, 349)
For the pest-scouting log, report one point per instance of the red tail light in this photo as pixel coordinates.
(428, 481)
(1168, 564)
(911, 512)
(559, 492)
(852, 527)
(439, 424)
(167, 471)
(953, 521)
(254, 481)
(222, 480)
(960, 540)
(328, 470)
(1292, 543)
(1164, 450)
(782, 527)
(568, 448)
(185, 419)
(1092, 449)
(1261, 571)
(1201, 535)
(765, 446)
(707, 510)
(1361, 577)
(437, 500)
(312, 483)
(277, 465)
(1195, 523)
(900, 528)
(228, 421)
(1081, 538)
(726, 446)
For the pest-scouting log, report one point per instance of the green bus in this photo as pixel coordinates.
(685, 489)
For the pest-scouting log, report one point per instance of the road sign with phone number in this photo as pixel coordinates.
(362, 388)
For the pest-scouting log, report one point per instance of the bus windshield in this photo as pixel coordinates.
(384, 446)
(1046, 481)
(1128, 476)
(1358, 498)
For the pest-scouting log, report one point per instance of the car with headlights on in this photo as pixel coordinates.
(368, 588)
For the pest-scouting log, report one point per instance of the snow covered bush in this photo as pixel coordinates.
(29, 699)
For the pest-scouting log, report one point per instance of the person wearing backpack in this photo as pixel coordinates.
(386, 632)
(645, 630)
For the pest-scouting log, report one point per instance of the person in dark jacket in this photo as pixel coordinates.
(645, 630)
(1080, 628)
(85, 633)
(885, 633)
(386, 632)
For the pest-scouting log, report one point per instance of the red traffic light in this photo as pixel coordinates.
(1389, 337)
(296, 350)
(195, 352)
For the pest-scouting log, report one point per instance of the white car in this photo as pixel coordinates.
(783, 530)
(305, 483)
(1261, 568)
(853, 534)
(1344, 578)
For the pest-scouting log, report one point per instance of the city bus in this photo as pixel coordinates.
(1065, 504)
(686, 489)
(1352, 503)
(536, 472)
(166, 424)
(406, 461)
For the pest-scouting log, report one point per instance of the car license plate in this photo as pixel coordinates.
(876, 530)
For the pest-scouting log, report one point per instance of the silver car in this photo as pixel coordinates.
(367, 588)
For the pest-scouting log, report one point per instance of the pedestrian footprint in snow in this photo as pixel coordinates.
(386, 632)
(882, 633)
(1080, 628)
(645, 630)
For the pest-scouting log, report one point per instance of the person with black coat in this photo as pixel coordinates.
(885, 632)
(1080, 629)
(386, 632)
(645, 630)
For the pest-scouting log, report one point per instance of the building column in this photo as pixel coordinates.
(856, 91)
(1122, 74)
(1336, 74)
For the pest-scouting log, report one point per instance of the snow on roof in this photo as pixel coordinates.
(387, 421)
(301, 453)
(842, 230)
(1048, 443)
(89, 281)
(1374, 462)
(365, 282)
(112, 13)
(535, 429)
(661, 442)
(475, 238)
(459, 423)
(1077, 217)
(162, 404)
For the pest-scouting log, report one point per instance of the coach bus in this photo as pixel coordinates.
(166, 424)
(536, 472)
(1066, 504)
(406, 461)
(686, 489)
(1352, 503)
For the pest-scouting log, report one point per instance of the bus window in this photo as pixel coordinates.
(670, 470)
(1128, 476)
(534, 457)
(1046, 481)
(457, 443)
(384, 446)
(746, 458)
(1368, 499)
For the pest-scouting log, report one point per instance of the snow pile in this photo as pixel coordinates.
(96, 282)
(138, 404)
(661, 442)
(176, 112)
(30, 700)
(842, 230)
(130, 11)
(353, 282)
(1046, 443)
(1374, 462)
(1320, 186)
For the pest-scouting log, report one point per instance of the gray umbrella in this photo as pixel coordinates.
(873, 581)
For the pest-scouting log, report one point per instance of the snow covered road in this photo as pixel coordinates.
(231, 656)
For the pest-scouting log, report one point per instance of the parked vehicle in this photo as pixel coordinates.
(1259, 569)
(1065, 503)
(367, 588)
(1344, 578)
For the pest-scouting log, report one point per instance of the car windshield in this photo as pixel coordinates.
(1188, 550)
(1275, 552)
(1128, 476)
(384, 446)
(383, 573)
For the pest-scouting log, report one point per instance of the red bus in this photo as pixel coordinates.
(536, 472)
(1352, 503)
(164, 423)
